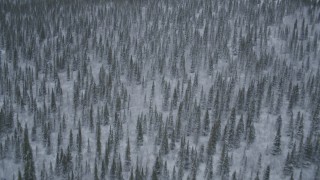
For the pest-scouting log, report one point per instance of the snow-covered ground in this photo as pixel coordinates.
(166, 44)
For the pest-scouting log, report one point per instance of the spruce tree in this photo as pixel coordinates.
(29, 168)
(19, 175)
(127, 161)
(164, 149)
(266, 175)
(139, 134)
(91, 123)
(213, 139)
(288, 168)
(276, 149)
(79, 139)
(98, 139)
(206, 124)
(96, 177)
(113, 169)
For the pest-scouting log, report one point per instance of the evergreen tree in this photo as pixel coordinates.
(276, 149)
(139, 134)
(91, 119)
(164, 149)
(53, 102)
(251, 134)
(165, 172)
(317, 172)
(131, 175)
(103, 170)
(239, 133)
(71, 140)
(224, 163)
(98, 139)
(300, 175)
(113, 169)
(106, 115)
(288, 168)
(154, 175)
(231, 133)
(308, 150)
(79, 139)
(174, 173)
(173, 140)
(19, 175)
(266, 175)
(29, 168)
(127, 162)
(213, 139)
(18, 155)
(96, 177)
(156, 168)
(300, 124)
(208, 169)
(119, 169)
(206, 124)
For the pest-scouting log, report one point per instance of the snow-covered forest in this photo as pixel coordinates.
(159, 89)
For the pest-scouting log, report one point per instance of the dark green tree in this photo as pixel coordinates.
(96, 177)
(288, 168)
(164, 149)
(214, 137)
(91, 119)
(29, 168)
(206, 124)
(98, 139)
(113, 169)
(79, 139)
(127, 161)
(276, 149)
(139, 133)
(266, 175)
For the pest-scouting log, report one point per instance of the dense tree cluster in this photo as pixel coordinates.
(139, 90)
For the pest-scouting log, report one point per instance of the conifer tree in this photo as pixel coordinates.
(113, 169)
(29, 168)
(103, 170)
(213, 139)
(266, 175)
(239, 133)
(131, 175)
(209, 166)
(19, 175)
(98, 139)
(173, 140)
(71, 140)
(91, 119)
(231, 133)
(164, 149)
(257, 176)
(173, 176)
(119, 169)
(288, 169)
(53, 102)
(18, 155)
(106, 114)
(139, 134)
(276, 149)
(127, 163)
(251, 134)
(206, 124)
(234, 175)
(96, 177)
(79, 139)
(224, 163)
